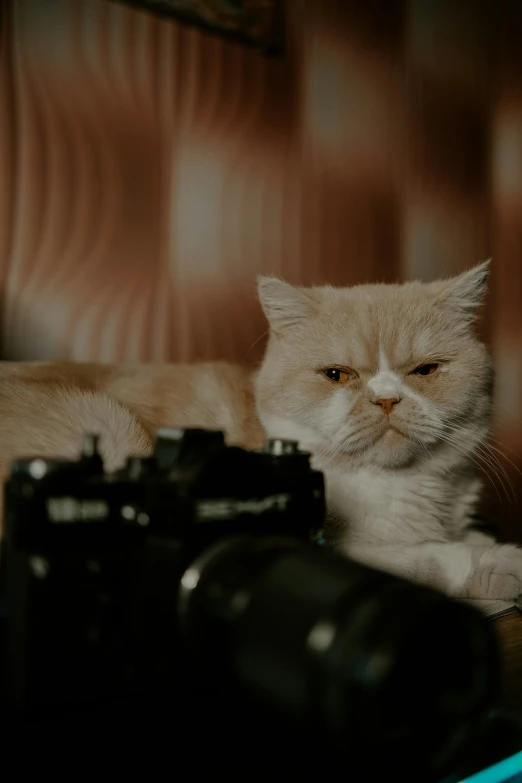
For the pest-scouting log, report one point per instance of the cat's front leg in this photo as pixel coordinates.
(497, 574)
(461, 569)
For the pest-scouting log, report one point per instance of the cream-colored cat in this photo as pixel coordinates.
(387, 385)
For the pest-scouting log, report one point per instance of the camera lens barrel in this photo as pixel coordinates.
(363, 658)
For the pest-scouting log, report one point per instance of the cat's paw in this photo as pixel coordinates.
(497, 574)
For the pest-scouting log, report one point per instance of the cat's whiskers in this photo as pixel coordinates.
(484, 448)
(481, 460)
(482, 465)
(489, 437)
(499, 451)
(482, 452)
(487, 451)
(505, 446)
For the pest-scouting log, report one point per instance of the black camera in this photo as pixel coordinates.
(194, 587)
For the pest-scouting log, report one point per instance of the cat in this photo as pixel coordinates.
(390, 388)
(387, 386)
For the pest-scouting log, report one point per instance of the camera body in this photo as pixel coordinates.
(94, 562)
(186, 598)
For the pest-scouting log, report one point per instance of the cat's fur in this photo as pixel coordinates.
(401, 486)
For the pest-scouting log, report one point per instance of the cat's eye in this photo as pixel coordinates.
(339, 376)
(425, 369)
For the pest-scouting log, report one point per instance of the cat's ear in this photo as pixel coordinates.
(283, 304)
(465, 293)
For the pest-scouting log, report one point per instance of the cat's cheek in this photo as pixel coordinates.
(337, 411)
(454, 396)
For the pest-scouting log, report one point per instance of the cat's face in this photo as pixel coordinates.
(379, 374)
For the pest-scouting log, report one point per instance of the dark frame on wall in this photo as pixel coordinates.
(258, 23)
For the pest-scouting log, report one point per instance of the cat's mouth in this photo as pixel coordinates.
(392, 433)
(383, 434)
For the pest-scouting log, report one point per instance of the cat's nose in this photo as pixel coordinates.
(387, 403)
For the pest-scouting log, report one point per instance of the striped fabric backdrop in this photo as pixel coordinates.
(149, 171)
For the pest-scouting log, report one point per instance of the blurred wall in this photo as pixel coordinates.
(149, 171)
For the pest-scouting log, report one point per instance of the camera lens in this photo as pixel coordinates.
(372, 664)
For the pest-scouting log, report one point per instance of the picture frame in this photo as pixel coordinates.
(258, 23)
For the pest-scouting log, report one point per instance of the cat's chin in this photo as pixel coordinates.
(394, 449)
(393, 457)
(392, 436)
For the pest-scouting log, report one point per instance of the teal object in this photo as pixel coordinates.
(507, 771)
